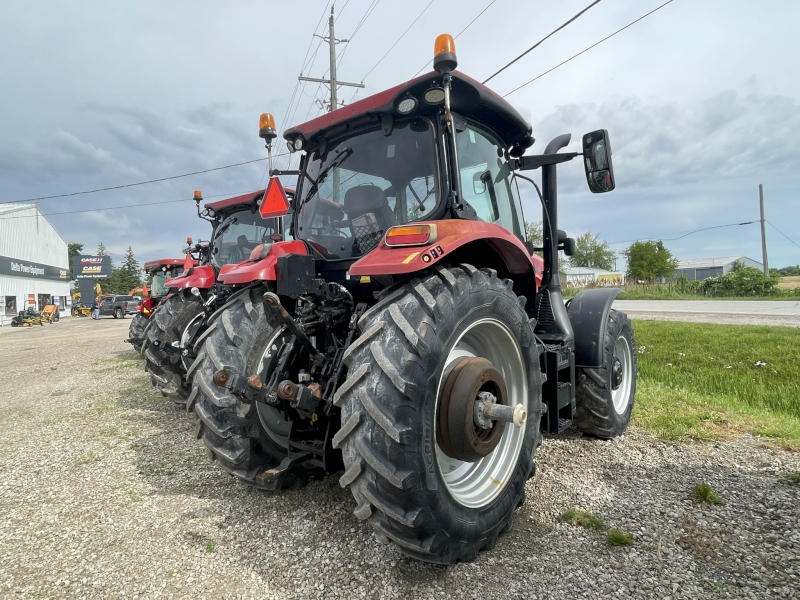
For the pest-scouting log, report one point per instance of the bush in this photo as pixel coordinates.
(741, 281)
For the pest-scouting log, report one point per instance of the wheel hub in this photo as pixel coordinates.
(617, 373)
(461, 435)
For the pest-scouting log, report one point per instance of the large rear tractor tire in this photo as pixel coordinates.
(604, 397)
(175, 322)
(136, 330)
(431, 506)
(245, 439)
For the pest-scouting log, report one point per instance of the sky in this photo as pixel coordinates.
(701, 100)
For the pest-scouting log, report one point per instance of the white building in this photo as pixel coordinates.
(703, 268)
(583, 276)
(34, 263)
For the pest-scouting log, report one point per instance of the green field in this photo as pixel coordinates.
(701, 381)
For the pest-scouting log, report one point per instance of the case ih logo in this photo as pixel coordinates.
(91, 267)
(92, 260)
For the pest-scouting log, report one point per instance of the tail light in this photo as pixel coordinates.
(411, 235)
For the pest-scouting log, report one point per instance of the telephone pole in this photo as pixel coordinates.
(763, 230)
(332, 82)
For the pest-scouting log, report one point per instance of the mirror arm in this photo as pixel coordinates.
(528, 163)
(274, 172)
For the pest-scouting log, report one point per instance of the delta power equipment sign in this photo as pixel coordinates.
(25, 268)
(91, 267)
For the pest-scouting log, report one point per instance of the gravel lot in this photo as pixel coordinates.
(105, 492)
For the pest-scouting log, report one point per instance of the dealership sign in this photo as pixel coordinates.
(25, 268)
(91, 267)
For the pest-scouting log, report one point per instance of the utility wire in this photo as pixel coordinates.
(680, 237)
(88, 210)
(783, 234)
(587, 49)
(419, 16)
(127, 185)
(539, 43)
(459, 33)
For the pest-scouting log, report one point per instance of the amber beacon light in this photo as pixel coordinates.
(444, 53)
(266, 127)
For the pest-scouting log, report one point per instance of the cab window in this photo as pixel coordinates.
(486, 179)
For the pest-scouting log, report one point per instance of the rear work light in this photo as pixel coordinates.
(411, 235)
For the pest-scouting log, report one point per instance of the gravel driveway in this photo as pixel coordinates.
(106, 493)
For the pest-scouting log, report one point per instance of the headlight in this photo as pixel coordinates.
(298, 143)
(407, 105)
(434, 95)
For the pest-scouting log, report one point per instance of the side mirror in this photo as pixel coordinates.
(597, 162)
(569, 246)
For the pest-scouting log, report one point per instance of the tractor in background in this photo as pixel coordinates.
(179, 323)
(408, 334)
(159, 271)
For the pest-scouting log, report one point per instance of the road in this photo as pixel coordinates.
(742, 312)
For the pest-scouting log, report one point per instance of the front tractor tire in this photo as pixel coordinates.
(136, 330)
(604, 397)
(174, 323)
(433, 507)
(245, 439)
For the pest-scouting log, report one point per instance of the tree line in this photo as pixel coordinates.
(126, 277)
(647, 260)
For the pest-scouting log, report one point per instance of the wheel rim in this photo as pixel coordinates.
(621, 375)
(188, 335)
(475, 484)
(272, 420)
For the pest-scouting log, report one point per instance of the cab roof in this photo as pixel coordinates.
(469, 98)
(163, 262)
(231, 204)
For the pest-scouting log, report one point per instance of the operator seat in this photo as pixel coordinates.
(369, 214)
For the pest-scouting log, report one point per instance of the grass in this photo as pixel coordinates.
(793, 477)
(703, 492)
(709, 382)
(619, 538)
(209, 546)
(88, 458)
(671, 291)
(589, 520)
(584, 519)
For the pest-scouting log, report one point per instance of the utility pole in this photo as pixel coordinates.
(763, 230)
(332, 82)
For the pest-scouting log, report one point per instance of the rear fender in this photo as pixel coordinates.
(199, 277)
(588, 313)
(457, 238)
(261, 269)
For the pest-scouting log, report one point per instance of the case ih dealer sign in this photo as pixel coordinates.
(91, 267)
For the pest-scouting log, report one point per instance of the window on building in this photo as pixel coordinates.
(11, 305)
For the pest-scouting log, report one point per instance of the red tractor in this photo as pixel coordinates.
(408, 334)
(237, 228)
(159, 271)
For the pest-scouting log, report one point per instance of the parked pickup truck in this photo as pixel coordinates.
(117, 306)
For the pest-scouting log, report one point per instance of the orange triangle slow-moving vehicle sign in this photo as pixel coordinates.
(275, 202)
(188, 262)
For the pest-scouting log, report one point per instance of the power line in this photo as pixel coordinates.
(680, 237)
(419, 16)
(367, 13)
(783, 234)
(127, 185)
(587, 49)
(87, 210)
(459, 33)
(539, 43)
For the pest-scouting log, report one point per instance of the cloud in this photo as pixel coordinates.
(657, 143)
